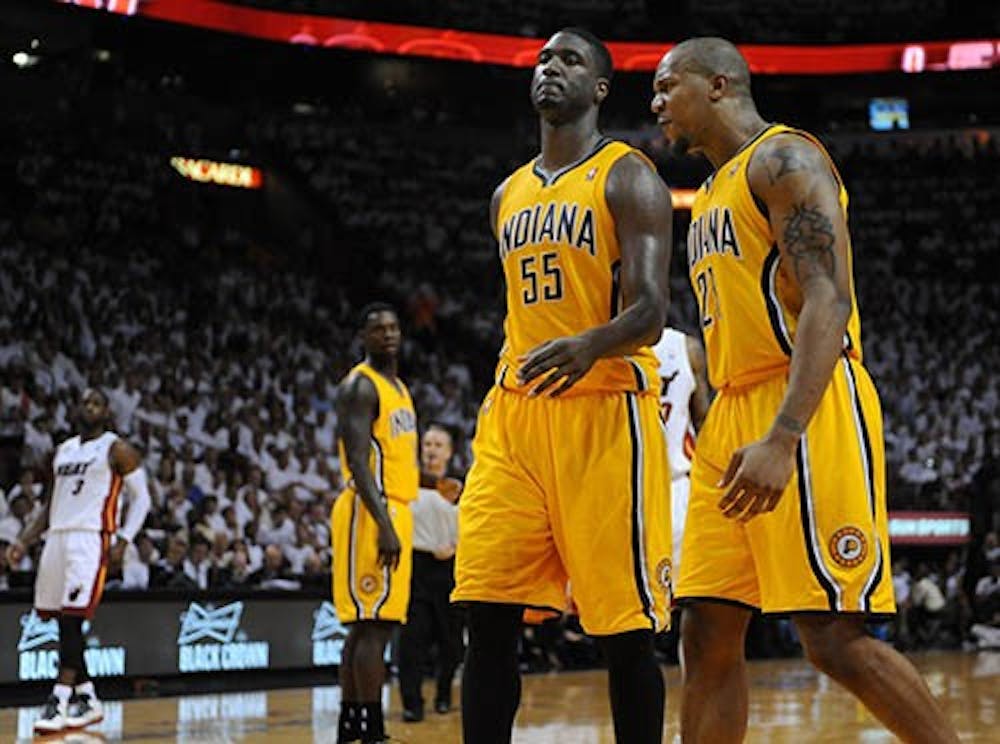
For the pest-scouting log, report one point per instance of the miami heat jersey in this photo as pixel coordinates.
(561, 262)
(86, 488)
(677, 385)
(749, 311)
(393, 455)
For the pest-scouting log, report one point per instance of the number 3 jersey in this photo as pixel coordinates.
(561, 262)
(86, 489)
(749, 310)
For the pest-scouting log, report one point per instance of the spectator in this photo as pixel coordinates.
(282, 529)
(927, 606)
(169, 571)
(273, 574)
(198, 566)
(987, 601)
(140, 560)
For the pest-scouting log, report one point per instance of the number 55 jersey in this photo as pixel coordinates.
(561, 264)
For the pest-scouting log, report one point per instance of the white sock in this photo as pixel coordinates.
(86, 688)
(62, 692)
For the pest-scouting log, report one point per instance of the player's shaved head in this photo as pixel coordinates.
(710, 56)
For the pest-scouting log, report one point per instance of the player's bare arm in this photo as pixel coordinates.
(357, 409)
(127, 462)
(795, 183)
(640, 204)
(698, 405)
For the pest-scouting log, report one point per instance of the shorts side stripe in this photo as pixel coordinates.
(638, 527)
(97, 587)
(641, 383)
(379, 465)
(386, 590)
(352, 548)
(767, 286)
(864, 443)
(808, 515)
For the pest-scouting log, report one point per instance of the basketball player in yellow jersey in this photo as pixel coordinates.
(787, 511)
(372, 527)
(570, 478)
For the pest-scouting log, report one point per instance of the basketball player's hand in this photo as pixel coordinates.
(445, 552)
(567, 359)
(117, 553)
(15, 552)
(755, 479)
(389, 547)
(449, 488)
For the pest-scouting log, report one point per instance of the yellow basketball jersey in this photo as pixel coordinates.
(561, 262)
(748, 310)
(393, 458)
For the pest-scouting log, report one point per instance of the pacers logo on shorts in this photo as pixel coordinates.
(663, 575)
(368, 584)
(848, 547)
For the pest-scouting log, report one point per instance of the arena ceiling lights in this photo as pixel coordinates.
(517, 51)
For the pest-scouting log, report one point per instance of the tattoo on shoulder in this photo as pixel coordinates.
(809, 240)
(784, 159)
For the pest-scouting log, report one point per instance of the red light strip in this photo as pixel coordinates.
(516, 51)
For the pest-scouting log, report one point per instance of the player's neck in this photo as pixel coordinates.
(385, 366)
(87, 434)
(733, 134)
(564, 144)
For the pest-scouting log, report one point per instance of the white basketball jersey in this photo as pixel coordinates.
(677, 385)
(85, 491)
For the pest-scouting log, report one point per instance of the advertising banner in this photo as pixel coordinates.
(139, 638)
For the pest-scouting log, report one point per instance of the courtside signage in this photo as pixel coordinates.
(928, 528)
(222, 174)
(210, 640)
(38, 651)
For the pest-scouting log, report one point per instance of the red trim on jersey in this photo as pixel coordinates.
(689, 445)
(109, 513)
(97, 590)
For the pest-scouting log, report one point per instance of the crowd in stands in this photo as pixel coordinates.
(220, 356)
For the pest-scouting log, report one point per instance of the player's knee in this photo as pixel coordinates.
(712, 635)
(628, 649)
(828, 647)
(493, 627)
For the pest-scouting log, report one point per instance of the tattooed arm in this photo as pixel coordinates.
(794, 183)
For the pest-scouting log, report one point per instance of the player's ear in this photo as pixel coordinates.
(601, 90)
(717, 87)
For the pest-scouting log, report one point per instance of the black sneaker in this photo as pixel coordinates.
(413, 715)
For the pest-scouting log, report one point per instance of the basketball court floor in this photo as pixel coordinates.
(789, 703)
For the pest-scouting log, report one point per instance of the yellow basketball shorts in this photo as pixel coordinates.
(825, 547)
(569, 489)
(362, 589)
